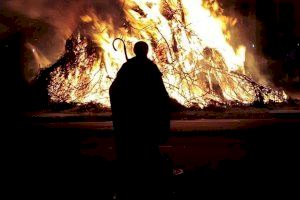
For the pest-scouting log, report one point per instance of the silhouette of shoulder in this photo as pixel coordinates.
(135, 65)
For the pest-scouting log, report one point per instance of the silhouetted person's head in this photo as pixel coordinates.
(141, 49)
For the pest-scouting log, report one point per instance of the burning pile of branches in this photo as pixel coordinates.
(73, 70)
(189, 42)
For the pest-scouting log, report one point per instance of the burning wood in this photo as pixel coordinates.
(189, 42)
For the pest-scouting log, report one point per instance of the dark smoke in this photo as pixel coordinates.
(47, 24)
(64, 15)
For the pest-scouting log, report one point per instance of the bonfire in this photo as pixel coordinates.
(189, 41)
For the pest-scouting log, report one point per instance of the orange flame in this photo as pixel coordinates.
(189, 42)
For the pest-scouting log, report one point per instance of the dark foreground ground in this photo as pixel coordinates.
(221, 158)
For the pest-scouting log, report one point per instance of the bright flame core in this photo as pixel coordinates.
(188, 40)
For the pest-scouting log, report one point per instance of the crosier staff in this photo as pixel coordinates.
(125, 50)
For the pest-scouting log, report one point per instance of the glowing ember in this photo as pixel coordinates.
(189, 42)
(38, 56)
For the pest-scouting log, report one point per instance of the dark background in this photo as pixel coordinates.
(277, 36)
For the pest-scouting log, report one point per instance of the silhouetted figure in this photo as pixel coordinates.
(141, 121)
